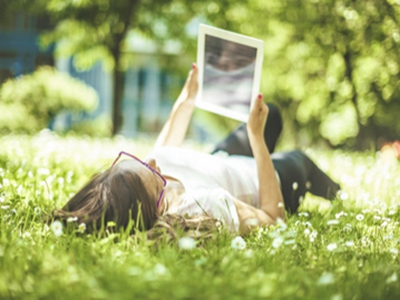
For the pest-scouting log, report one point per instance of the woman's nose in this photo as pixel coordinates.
(152, 163)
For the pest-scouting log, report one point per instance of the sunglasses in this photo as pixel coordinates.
(147, 166)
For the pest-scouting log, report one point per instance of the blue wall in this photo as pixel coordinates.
(19, 47)
(146, 102)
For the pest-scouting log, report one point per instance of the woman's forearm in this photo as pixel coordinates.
(174, 131)
(270, 195)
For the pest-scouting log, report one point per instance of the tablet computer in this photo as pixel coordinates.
(229, 76)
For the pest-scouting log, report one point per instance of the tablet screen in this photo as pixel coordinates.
(228, 74)
(229, 69)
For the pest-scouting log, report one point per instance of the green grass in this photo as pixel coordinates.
(347, 249)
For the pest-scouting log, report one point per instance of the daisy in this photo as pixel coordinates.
(326, 278)
(186, 243)
(82, 227)
(349, 244)
(331, 247)
(360, 217)
(332, 222)
(238, 243)
(277, 242)
(72, 219)
(57, 228)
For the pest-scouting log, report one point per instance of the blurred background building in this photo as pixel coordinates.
(146, 102)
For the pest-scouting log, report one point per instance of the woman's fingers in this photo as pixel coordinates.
(258, 116)
(189, 90)
(191, 84)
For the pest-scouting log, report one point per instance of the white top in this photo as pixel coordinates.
(210, 181)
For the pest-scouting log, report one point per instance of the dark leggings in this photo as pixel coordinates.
(297, 172)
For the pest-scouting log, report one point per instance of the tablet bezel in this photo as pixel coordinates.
(237, 38)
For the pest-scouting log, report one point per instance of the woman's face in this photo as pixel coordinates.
(152, 182)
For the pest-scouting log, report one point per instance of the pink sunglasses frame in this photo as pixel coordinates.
(147, 166)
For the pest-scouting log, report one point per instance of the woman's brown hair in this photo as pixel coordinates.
(116, 195)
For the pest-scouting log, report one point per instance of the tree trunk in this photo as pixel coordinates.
(118, 90)
(118, 74)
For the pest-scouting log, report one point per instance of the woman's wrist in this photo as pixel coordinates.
(185, 104)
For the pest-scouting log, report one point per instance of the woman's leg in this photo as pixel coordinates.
(237, 143)
(299, 174)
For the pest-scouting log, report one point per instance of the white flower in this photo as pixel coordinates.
(343, 195)
(252, 222)
(349, 243)
(238, 243)
(281, 224)
(301, 198)
(295, 186)
(307, 224)
(331, 247)
(332, 222)
(160, 270)
(280, 205)
(57, 228)
(290, 242)
(26, 235)
(392, 278)
(360, 217)
(347, 228)
(72, 219)
(82, 227)
(313, 235)
(342, 213)
(326, 278)
(337, 297)
(186, 243)
(277, 242)
(303, 214)
(306, 232)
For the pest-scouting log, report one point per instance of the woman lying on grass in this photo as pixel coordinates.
(245, 188)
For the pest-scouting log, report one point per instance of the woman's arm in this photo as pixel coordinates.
(270, 195)
(251, 217)
(175, 128)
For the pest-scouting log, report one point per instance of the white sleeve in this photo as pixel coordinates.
(216, 202)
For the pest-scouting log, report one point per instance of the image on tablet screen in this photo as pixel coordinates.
(228, 74)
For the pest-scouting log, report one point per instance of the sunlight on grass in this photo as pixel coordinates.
(348, 248)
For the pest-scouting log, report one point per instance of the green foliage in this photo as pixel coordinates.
(333, 66)
(32, 100)
(347, 249)
(99, 127)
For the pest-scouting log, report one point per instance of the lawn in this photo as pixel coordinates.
(345, 249)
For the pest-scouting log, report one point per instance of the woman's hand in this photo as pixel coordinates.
(257, 119)
(174, 130)
(270, 195)
(189, 91)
